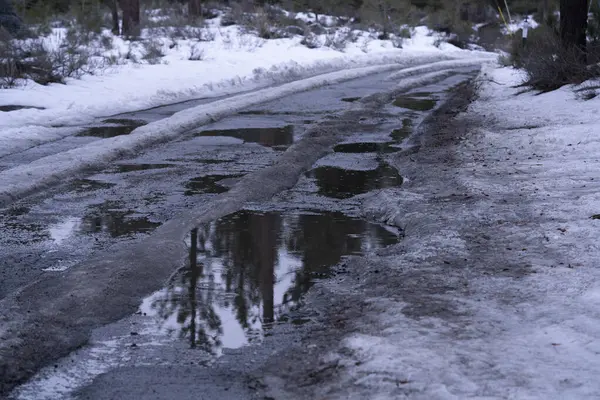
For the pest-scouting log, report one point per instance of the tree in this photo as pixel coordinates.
(131, 17)
(195, 8)
(573, 25)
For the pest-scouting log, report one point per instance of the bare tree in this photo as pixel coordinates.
(573, 25)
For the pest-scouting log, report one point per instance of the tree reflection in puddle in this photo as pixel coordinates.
(250, 269)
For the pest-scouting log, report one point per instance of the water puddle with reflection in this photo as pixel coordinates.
(250, 269)
(115, 222)
(414, 103)
(343, 183)
(208, 184)
(366, 147)
(269, 137)
(402, 133)
(108, 218)
(118, 127)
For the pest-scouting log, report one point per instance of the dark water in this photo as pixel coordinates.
(365, 147)
(85, 185)
(399, 134)
(250, 269)
(343, 183)
(118, 127)
(124, 168)
(207, 184)
(111, 219)
(16, 108)
(415, 103)
(270, 137)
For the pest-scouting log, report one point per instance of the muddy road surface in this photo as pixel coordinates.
(184, 271)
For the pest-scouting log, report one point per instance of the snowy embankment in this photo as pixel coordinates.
(508, 306)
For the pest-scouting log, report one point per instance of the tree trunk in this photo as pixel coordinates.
(131, 17)
(573, 25)
(114, 12)
(195, 8)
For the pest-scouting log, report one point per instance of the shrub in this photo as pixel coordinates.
(153, 51)
(196, 53)
(548, 64)
(310, 40)
(43, 62)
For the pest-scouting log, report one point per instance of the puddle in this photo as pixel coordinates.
(86, 185)
(269, 137)
(207, 184)
(400, 134)
(250, 269)
(124, 168)
(343, 183)
(365, 147)
(108, 218)
(120, 127)
(415, 104)
(420, 94)
(17, 108)
(199, 160)
(351, 99)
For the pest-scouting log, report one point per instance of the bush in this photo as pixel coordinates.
(45, 62)
(548, 64)
(196, 53)
(153, 51)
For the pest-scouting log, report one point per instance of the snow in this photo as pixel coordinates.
(533, 161)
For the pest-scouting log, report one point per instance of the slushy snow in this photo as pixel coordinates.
(529, 336)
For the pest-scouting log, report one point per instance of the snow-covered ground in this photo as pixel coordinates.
(507, 297)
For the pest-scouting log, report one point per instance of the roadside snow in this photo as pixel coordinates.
(526, 324)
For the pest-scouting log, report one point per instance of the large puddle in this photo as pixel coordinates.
(250, 269)
(343, 183)
(269, 137)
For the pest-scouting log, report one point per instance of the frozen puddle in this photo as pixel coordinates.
(248, 271)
